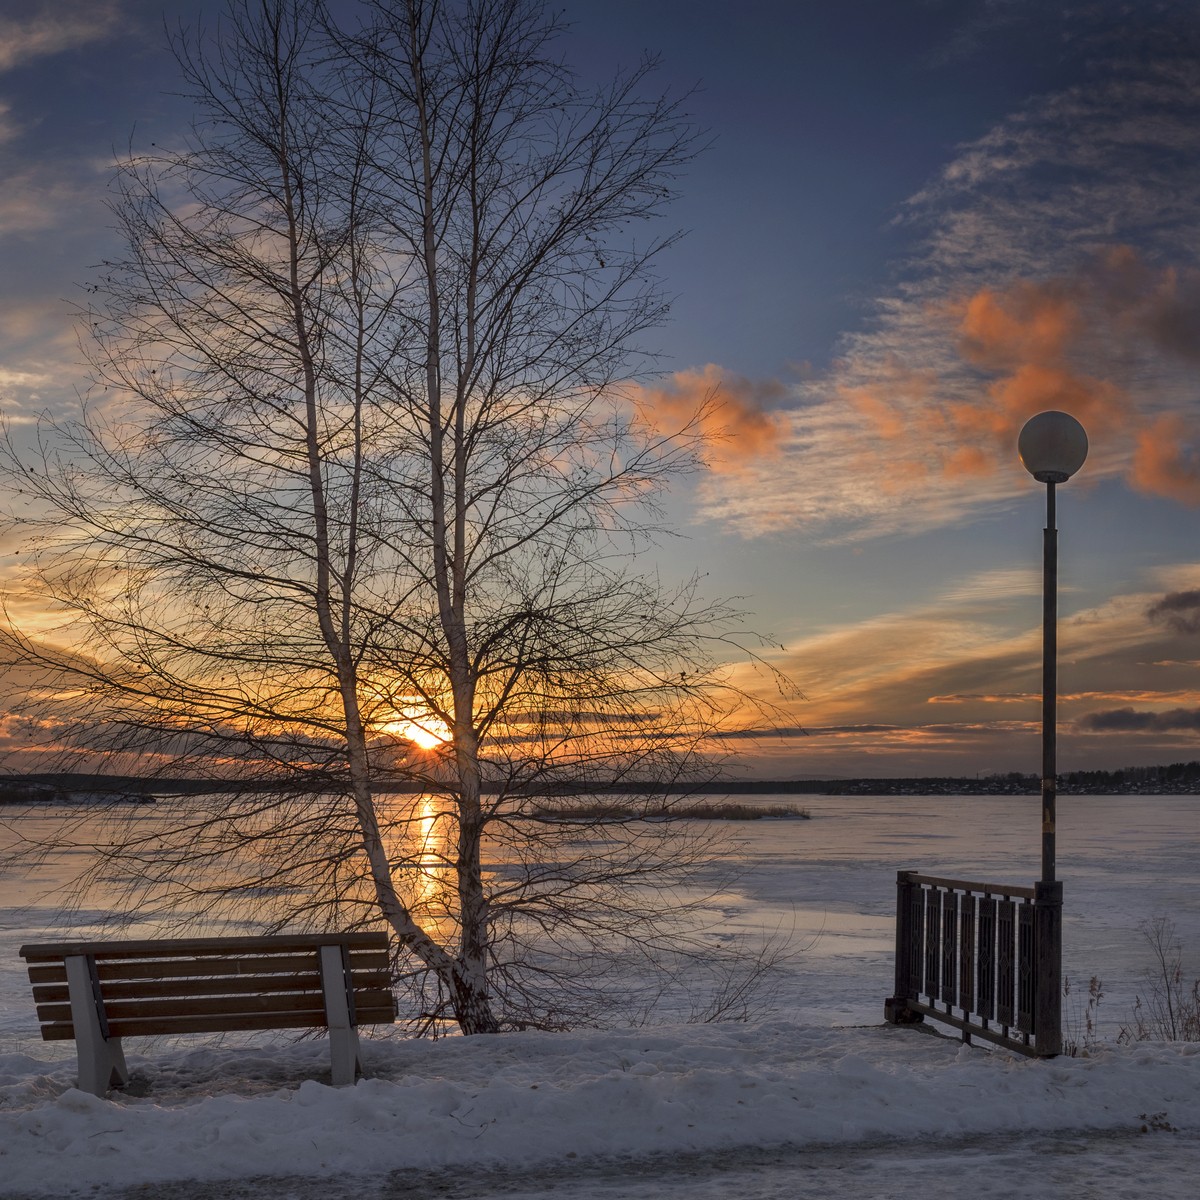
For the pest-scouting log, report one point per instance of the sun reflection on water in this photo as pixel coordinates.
(420, 845)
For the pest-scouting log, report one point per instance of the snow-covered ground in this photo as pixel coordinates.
(815, 1098)
(544, 1103)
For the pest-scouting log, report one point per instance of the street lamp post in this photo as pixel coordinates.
(1052, 446)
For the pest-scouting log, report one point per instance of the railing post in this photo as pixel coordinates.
(1047, 1020)
(895, 1007)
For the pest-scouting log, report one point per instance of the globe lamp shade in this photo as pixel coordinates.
(1052, 446)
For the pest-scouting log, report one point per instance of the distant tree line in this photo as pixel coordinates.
(1179, 777)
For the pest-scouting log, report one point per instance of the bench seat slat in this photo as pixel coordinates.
(204, 1006)
(197, 947)
(123, 989)
(185, 985)
(314, 1019)
(117, 989)
(192, 968)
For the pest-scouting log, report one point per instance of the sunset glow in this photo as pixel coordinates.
(895, 256)
(422, 729)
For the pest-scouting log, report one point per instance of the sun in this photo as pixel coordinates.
(421, 728)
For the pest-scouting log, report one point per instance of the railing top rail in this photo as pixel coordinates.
(963, 885)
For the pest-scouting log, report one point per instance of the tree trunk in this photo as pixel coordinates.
(469, 987)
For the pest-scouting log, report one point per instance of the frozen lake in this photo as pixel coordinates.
(830, 881)
(827, 887)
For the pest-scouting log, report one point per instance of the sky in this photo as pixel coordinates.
(917, 223)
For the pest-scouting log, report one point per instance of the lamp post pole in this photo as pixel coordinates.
(1049, 684)
(1052, 446)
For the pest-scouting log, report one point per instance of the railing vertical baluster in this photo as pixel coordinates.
(916, 926)
(1005, 975)
(966, 953)
(949, 991)
(1025, 967)
(985, 999)
(933, 928)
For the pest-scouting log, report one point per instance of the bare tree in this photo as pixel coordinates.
(350, 521)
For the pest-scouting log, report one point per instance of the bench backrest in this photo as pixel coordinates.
(204, 985)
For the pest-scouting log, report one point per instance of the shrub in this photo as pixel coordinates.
(1170, 1009)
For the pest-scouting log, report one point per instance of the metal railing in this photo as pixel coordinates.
(982, 957)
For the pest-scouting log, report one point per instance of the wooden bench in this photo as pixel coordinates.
(101, 992)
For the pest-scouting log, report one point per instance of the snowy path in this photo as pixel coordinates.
(1071, 1166)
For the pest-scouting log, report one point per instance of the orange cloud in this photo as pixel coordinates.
(1030, 337)
(731, 413)
(1160, 305)
(1026, 334)
(1026, 323)
(967, 461)
(1165, 463)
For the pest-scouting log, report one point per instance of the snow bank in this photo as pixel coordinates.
(526, 1099)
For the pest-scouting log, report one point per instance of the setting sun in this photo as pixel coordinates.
(423, 729)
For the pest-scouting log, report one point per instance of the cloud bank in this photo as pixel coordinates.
(1125, 720)
(1055, 266)
(1179, 610)
(953, 685)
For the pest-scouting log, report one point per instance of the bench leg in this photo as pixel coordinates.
(345, 1055)
(101, 1058)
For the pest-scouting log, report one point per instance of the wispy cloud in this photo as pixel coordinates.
(38, 198)
(1166, 460)
(994, 586)
(1056, 265)
(54, 27)
(976, 28)
(25, 321)
(8, 127)
(41, 367)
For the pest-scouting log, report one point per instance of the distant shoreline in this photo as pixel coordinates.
(1176, 779)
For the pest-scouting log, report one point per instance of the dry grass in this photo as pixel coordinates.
(1170, 1009)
